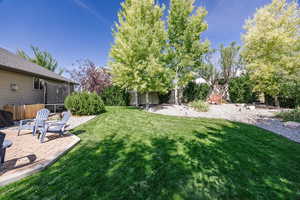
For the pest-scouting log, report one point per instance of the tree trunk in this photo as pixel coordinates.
(226, 92)
(147, 101)
(136, 98)
(277, 104)
(176, 95)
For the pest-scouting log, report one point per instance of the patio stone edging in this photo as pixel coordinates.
(5, 180)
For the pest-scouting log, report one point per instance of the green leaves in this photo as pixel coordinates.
(42, 58)
(241, 90)
(185, 48)
(136, 56)
(271, 45)
(230, 61)
(85, 103)
(145, 56)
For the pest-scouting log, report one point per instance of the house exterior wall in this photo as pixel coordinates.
(57, 92)
(26, 94)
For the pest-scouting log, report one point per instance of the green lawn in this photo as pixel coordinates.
(128, 154)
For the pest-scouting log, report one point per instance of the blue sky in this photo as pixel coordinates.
(79, 29)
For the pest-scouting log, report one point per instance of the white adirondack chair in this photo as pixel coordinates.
(56, 126)
(36, 124)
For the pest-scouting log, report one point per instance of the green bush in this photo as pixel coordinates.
(200, 106)
(85, 103)
(284, 101)
(290, 94)
(194, 92)
(115, 96)
(293, 115)
(241, 90)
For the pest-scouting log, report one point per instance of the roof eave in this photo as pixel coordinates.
(8, 68)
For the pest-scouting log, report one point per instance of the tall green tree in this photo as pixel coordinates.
(230, 63)
(42, 58)
(272, 46)
(185, 49)
(136, 55)
(208, 70)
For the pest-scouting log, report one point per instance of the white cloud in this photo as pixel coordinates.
(93, 12)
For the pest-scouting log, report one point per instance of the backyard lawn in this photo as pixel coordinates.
(127, 154)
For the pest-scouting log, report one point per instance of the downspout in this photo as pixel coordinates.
(45, 92)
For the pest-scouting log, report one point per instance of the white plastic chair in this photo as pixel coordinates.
(38, 123)
(56, 126)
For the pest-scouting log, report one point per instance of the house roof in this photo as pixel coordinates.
(13, 62)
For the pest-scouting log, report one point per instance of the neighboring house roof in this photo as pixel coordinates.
(16, 63)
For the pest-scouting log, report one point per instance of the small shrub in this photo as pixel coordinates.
(200, 106)
(284, 101)
(85, 103)
(293, 115)
(115, 96)
(195, 92)
(241, 90)
(290, 94)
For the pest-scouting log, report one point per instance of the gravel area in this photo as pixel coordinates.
(263, 118)
(27, 152)
(78, 120)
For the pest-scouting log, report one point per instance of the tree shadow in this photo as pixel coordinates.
(200, 135)
(78, 132)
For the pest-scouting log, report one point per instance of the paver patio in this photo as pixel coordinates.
(27, 155)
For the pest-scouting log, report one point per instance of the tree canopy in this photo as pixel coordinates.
(90, 77)
(185, 49)
(136, 54)
(272, 46)
(42, 58)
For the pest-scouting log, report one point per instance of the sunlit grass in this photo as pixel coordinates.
(130, 154)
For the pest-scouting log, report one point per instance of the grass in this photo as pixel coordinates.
(128, 154)
(293, 115)
(200, 106)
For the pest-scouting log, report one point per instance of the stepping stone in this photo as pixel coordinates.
(292, 125)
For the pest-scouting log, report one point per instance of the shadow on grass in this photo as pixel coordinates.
(211, 165)
(78, 132)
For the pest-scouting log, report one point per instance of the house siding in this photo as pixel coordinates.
(57, 92)
(25, 94)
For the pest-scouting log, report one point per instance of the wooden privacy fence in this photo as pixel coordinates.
(23, 111)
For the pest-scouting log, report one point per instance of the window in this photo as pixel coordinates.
(37, 83)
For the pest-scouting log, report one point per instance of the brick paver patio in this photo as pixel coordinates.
(27, 155)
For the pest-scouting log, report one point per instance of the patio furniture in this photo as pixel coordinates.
(56, 126)
(4, 144)
(36, 124)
